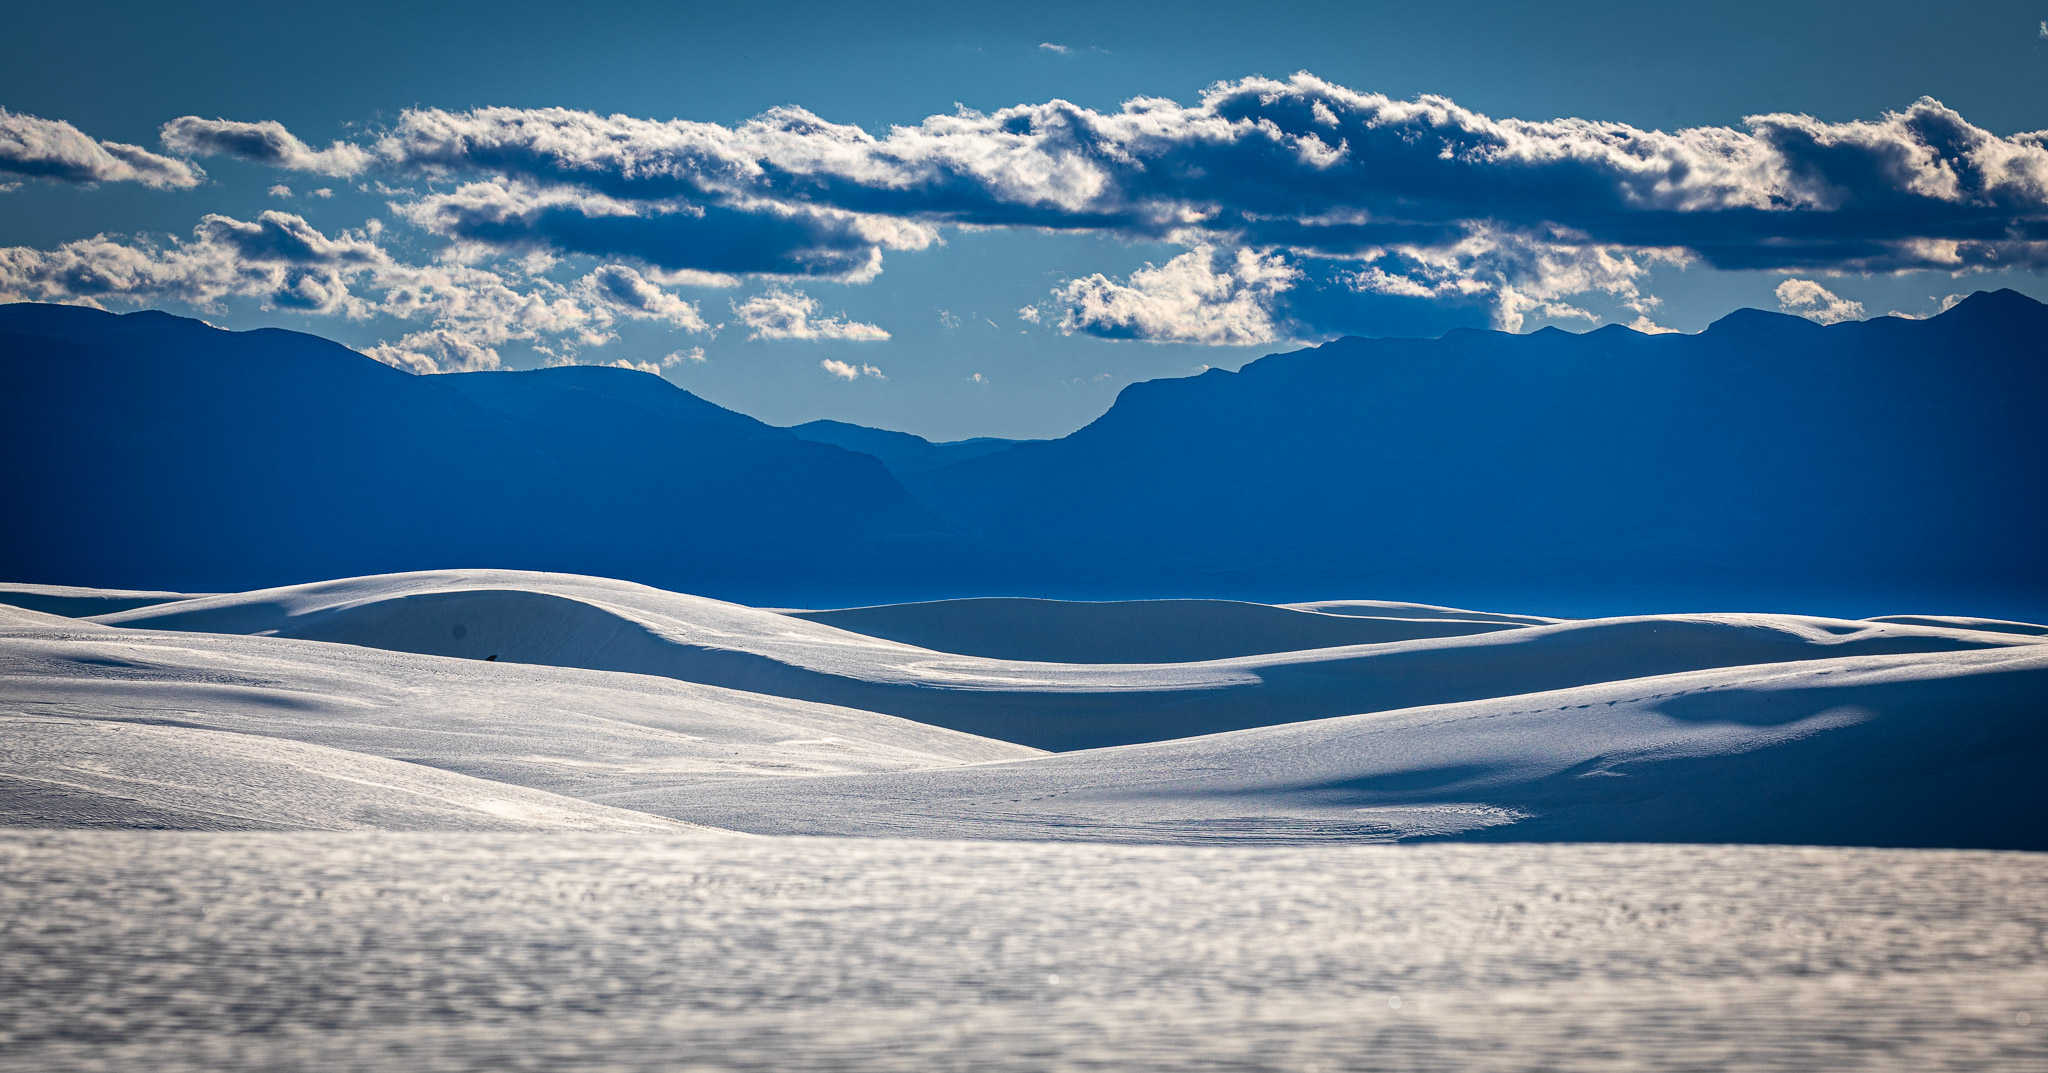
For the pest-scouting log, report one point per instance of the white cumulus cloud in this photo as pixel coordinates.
(36, 148)
(267, 142)
(1189, 299)
(1808, 299)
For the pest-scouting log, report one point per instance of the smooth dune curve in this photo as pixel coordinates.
(1131, 631)
(559, 619)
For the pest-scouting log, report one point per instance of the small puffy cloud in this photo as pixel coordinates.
(1050, 47)
(1029, 314)
(267, 142)
(38, 148)
(1808, 299)
(1189, 299)
(279, 190)
(777, 313)
(437, 350)
(323, 192)
(846, 371)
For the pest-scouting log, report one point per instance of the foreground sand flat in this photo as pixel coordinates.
(441, 953)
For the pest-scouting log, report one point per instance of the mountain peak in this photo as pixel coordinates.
(1749, 319)
(2001, 303)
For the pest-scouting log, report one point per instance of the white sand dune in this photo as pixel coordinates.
(561, 730)
(1904, 750)
(1398, 610)
(73, 601)
(1723, 727)
(568, 620)
(1146, 631)
(1959, 622)
(57, 772)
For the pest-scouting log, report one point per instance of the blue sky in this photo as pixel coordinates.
(513, 185)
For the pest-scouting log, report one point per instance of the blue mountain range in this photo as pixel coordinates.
(1766, 463)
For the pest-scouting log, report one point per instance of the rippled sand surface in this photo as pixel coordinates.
(178, 951)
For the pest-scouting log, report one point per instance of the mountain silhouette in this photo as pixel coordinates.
(1767, 463)
(154, 446)
(900, 451)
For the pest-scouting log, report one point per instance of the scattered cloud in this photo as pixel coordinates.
(1808, 299)
(1291, 197)
(777, 313)
(285, 263)
(1029, 314)
(279, 190)
(846, 371)
(1518, 275)
(1186, 300)
(1050, 47)
(947, 320)
(267, 142)
(36, 148)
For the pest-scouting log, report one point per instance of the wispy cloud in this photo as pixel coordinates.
(846, 371)
(1050, 47)
(779, 313)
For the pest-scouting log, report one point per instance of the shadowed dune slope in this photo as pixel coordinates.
(566, 620)
(1134, 631)
(72, 601)
(1959, 622)
(1891, 750)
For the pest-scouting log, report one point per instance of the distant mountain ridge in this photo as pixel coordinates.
(1766, 462)
(153, 446)
(902, 452)
(1887, 466)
